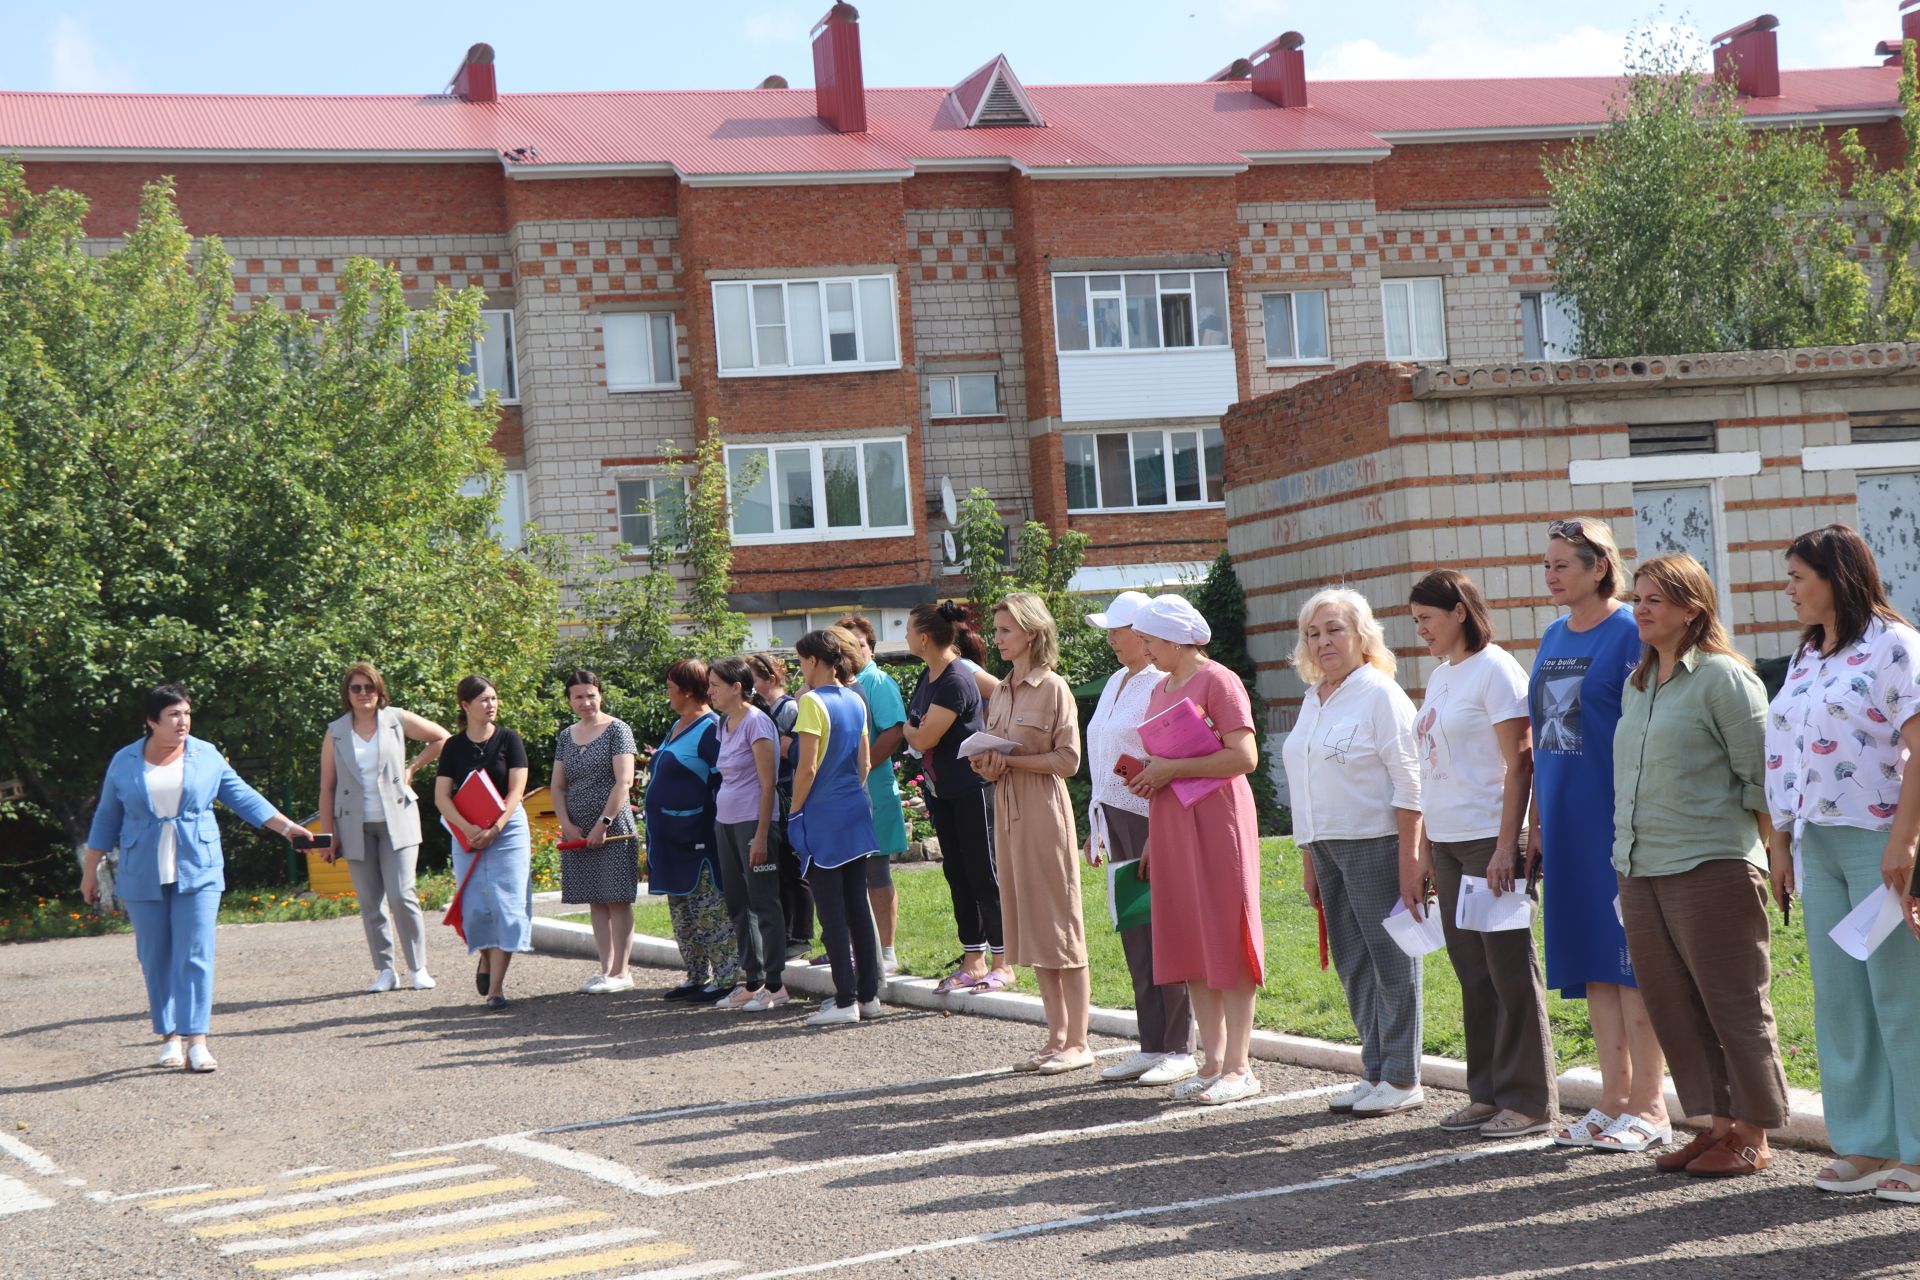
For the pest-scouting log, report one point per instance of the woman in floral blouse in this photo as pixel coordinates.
(1839, 736)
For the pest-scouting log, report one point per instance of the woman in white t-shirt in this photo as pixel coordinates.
(1476, 762)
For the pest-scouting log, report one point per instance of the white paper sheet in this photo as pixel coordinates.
(1415, 937)
(980, 744)
(1481, 912)
(1870, 922)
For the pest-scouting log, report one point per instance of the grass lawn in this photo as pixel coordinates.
(1298, 997)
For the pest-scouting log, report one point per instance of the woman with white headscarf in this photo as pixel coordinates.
(1203, 857)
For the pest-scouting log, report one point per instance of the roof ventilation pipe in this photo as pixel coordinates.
(1280, 71)
(773, 82)
(473, 82)
(1749, 55)
(839, 88)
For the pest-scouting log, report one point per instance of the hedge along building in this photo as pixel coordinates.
(1374, 475)
(1052, 292)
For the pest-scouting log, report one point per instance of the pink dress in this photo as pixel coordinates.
(1204, 862)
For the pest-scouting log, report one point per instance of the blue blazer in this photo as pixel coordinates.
(125, 818)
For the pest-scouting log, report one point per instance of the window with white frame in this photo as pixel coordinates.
(1548, 323)
(1415, 318)
(509, 523)
(1143, 470)
(1114, 311)
(806, 326)
(829, 489)
(964, 395)
(1296, 327)
(492, 364)
(650, 507)
(639, 349)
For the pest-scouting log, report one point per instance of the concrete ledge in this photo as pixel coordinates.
(1579, 1087)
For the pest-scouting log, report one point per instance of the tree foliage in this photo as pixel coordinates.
(243, 503)
(1679, 227)
(1893, 197)
(1223, 603)
(1041, 564)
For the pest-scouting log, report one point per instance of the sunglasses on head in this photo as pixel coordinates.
(360, 688)
(1574, 530)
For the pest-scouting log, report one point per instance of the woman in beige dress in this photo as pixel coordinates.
(1034, 836)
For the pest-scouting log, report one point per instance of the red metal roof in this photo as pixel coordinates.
(770, 131)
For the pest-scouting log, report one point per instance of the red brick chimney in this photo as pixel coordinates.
(1749, 55)
(839, 89)
(1909, 22)
(473, 82)
(1280, 71)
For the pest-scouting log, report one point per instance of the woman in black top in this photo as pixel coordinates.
(946, 708)
(492, 864)
(796, 897)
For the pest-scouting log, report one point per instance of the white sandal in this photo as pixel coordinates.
(1854, 1179)
(1906, 1189)
(173, 1055)
(1632, 1133)
(1578, 1134)
(200, 1059)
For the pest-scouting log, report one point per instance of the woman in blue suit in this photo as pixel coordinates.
(156, 805)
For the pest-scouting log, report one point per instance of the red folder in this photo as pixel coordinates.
(479, 802)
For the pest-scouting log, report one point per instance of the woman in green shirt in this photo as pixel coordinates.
(1689, 845)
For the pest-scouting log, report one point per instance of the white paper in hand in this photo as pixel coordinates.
(1415, 937)
(1480, 911)
(980, 744)
(1866, 926)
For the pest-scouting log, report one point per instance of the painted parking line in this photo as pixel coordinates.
(201, 1197)
(311, 1168)
(366, 1208)
(344, 1191)
(322, 1179)
(427, 1244)
(107, 1197)
(1146, 1211)
(17, 1197)
(598, 1168)
(518, 1253)
(36, 1161)
(362, 1231)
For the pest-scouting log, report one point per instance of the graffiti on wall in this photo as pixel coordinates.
(1679, 518)
(1890, 522)
(1320, 487)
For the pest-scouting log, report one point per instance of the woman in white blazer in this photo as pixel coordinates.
(367, 802)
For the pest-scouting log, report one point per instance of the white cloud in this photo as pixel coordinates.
(76, 64)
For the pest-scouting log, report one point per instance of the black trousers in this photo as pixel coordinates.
(796, 898)
(964, 824)
(847, 929)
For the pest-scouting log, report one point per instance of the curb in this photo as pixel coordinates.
(1579, 1087)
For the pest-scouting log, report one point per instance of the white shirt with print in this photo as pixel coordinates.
(1351, 760)
(1834, 753)
(1462, 771)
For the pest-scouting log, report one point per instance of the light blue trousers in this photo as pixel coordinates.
(174, 940)
(1866, 1016)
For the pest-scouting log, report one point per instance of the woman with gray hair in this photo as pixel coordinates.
(1203, 850)
(1353, 776)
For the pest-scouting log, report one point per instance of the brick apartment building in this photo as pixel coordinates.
(1051, 292)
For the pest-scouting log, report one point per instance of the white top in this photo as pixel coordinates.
(1462, 773)
(366, 760)
(1834, 755)
(1114, 731)
(164, 784)
(1351, 761)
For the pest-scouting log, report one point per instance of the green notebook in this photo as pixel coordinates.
(1128, 899)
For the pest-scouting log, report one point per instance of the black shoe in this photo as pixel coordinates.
(496, 1002)
(710, 995)
(685, 991)
(482, 980)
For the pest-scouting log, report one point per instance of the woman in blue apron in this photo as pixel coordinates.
(681, 859)
(831, 825)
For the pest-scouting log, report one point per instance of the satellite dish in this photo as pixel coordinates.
(948, 506)
(951, 547)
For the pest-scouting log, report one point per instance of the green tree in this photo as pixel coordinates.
(1042, 564)
(240, 502)
(1223, 603)
(1892, 196)
(1678, 227)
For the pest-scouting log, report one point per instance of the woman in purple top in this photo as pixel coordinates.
(742, 821)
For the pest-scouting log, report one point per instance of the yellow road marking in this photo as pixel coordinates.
(426, 1244)
(201, 1197)
(584, 1263)
(328, 1179)
(366, 1208)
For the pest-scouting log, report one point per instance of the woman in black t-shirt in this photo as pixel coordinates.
(945, 709)
(492, 864)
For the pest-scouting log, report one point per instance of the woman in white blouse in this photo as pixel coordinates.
(1353, 779)
(1117, 833)
(1840, 740)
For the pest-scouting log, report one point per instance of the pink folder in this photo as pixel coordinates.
(1181, 733)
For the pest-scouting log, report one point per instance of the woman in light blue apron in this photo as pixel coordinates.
(681, 853)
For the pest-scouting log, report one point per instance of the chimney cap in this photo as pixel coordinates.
(841, 12)
(480, 53)
(1289, 40)
(774, 82)
(1889, 48)
(1907, 4)
(1765, 22)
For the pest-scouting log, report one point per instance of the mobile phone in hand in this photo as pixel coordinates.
(1128, 767)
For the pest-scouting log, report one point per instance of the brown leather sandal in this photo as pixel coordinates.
(1677, 1161)
(1731, 1158)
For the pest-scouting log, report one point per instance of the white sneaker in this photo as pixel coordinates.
(1229, 1089)
(1192, 1087)
(595, 985)
(833, 1015)
(737, 999)
(423, 981)
(1172, 1069)
(889, 962)
(870, 1011)
(622, 983)
(1133, 1066)
(765, 999)
(1342, 1103)
(385, 980)
(1387, 1100)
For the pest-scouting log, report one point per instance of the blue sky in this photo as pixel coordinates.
(412, 46)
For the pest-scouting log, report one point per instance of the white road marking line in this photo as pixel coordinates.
(76, 1182)
(17, 1197)
(107, 1197)
(26, 1155)
(334, 1235)
(1170, 1116)
(689, 1272)
(312, 1168)
(489, 1257)
(597, 1167)
(1178, 1206)
(345, 1190)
